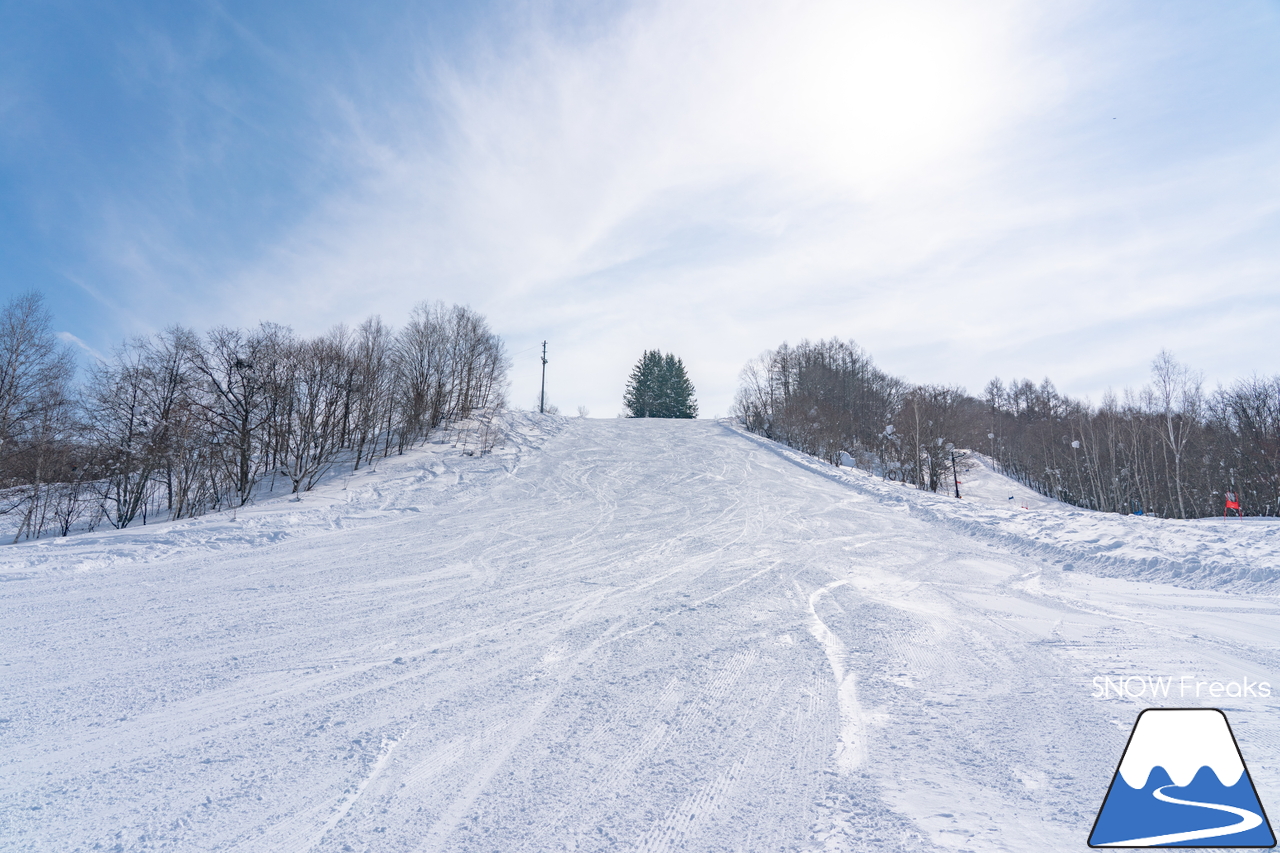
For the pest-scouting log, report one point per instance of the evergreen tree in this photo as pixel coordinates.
(659, 388)
(678, 395)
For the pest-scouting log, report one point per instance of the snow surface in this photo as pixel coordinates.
(612, 635)
(980, 482)
(1205, 553)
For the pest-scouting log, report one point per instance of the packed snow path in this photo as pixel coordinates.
(614, 635)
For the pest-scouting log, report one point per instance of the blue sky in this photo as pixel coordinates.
(968, 190)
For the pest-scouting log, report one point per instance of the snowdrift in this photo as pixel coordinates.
(1212, 553)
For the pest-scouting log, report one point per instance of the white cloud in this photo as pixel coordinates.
(940, 181)
(68, 338)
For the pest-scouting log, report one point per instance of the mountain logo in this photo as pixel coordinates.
(1182, 782)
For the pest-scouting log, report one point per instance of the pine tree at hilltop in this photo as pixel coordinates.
(641, 393)
(659, 388)
(678, 397)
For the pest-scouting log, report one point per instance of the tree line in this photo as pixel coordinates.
(178, 424)
(1170, 448)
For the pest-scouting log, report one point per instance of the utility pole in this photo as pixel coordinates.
(955, 475)
(542, 398)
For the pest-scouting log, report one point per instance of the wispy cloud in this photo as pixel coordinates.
(694, 169)
(997, 187)
(68, 338)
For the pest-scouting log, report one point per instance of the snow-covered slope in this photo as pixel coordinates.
(1204, 553)
(609, 635)
(980, 482)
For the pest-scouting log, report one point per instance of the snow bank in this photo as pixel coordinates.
(446, 468)
(1201, 553)
(1204, 553)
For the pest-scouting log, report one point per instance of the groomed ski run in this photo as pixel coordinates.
(613, 635)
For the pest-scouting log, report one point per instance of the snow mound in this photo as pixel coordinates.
(446, 468)
(1198, 553)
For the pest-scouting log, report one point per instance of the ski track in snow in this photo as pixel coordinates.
(608, 635)
(850, 750)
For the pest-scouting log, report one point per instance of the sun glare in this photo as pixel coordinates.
(871, 93)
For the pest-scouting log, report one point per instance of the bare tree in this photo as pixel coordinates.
(448, 365)
(181, 435)
(313, 401)
(121, 425)
(238, 371)
(174, 425)
(37, 423)
(933, 416)
(1178, 397)
(823, 398)
(372, 377)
